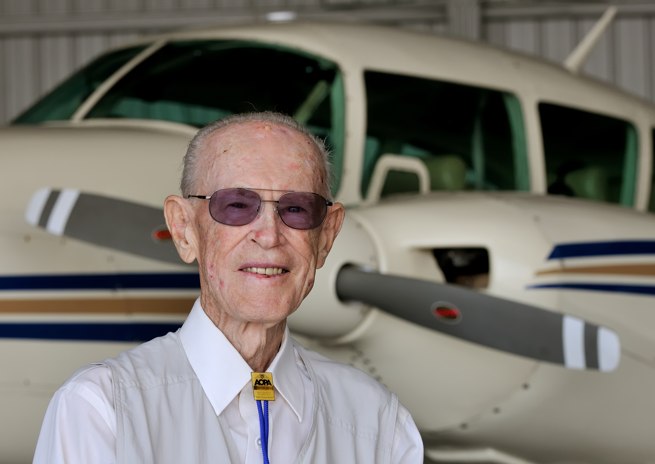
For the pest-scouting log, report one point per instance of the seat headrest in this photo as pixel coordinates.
(590, 182)
(447, 172)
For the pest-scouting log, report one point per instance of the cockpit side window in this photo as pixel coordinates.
(197, 82)
(589, 155)
(62, 102)
(470, 138)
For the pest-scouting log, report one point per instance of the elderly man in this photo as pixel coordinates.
(232, 386)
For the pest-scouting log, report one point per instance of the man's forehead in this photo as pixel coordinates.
(238, 138)
(261, 140)
(248, 130)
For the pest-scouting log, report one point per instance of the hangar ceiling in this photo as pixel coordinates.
(29, 16)
(42, 41)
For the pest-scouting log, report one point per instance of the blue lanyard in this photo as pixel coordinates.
(263, 427)
(262, 385)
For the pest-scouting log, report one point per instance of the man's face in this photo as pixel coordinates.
(259, 272)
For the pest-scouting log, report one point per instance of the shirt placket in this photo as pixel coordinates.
(249, 414)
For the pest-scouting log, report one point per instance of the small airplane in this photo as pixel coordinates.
(496, 268)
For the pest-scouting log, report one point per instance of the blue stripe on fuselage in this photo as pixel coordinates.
(132, 281)
(590, 249)
(81, 331)
(616, 288)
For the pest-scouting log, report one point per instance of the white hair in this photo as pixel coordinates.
(192, 156)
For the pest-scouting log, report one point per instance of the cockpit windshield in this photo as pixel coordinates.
(62, 102)
(197, 82)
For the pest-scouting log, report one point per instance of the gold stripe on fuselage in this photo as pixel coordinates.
(615, 269)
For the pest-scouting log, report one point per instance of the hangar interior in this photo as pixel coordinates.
(43, 41)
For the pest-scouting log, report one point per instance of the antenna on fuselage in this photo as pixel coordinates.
(580, 54)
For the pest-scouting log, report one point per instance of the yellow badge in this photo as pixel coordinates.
(262, 386)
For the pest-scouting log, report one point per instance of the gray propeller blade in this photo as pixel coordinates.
(108, 222)
(498, 323)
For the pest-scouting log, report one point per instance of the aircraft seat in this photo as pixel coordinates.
(400, 182)
(590, 182)
(447, 172)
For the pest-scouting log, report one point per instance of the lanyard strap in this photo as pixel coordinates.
(263, 428)
(262, 385)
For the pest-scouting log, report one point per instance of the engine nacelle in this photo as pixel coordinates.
(322, 314)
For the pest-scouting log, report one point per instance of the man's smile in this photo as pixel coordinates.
(268, 271)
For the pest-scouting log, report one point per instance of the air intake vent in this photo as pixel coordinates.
(468, 267)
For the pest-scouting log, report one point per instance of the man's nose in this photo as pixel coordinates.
(267, 226)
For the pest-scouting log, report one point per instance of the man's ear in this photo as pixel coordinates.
(179, 219)
(329, 231)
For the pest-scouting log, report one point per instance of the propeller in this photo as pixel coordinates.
(498, 323)
(108, 222)
(505, 325)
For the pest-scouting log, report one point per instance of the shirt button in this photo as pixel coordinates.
(259, 442)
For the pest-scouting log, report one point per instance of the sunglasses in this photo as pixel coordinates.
(240, 206)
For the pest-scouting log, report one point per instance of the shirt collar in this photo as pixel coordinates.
(222, 371)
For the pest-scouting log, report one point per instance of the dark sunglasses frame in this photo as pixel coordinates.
(317, 218)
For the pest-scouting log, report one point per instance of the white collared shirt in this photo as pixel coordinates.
(80, 423)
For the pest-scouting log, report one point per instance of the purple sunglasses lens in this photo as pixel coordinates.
(234, 207)
(302, 210)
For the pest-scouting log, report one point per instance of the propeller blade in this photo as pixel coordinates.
(498, 323)
(107, 222)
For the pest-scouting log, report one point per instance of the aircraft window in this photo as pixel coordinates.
(473, 136)
(589, 155)
(62, 102)
(197, 82)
